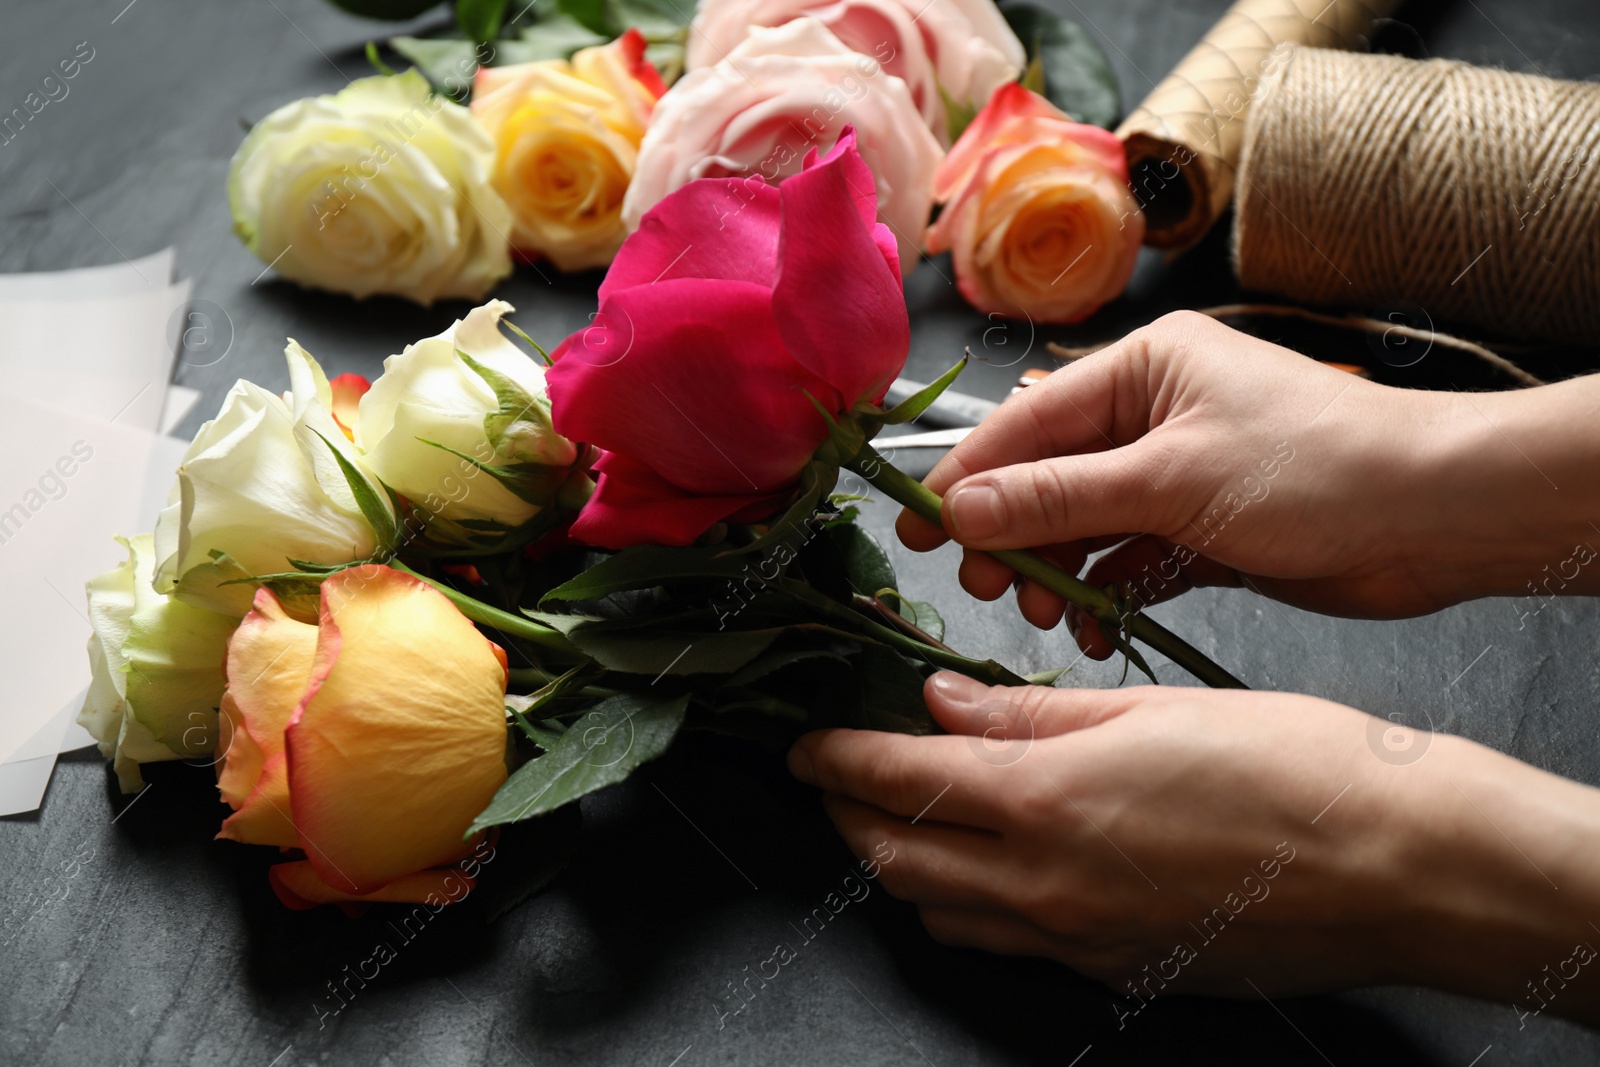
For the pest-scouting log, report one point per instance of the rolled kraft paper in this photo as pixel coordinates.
(1472, 193)
(1184, 140)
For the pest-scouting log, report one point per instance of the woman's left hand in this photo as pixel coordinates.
(1163, 839)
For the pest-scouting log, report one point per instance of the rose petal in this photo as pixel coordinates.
(691, 377)
(717, 228)
(298, 886)
(400, 740)
(839, 306)
(633, 505)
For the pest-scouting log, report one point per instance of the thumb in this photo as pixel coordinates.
(1065, 499)
(1000, 713)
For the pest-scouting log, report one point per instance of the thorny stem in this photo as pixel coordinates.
(928, 504)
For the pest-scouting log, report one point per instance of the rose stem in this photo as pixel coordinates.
(928, 504)
(478, 611)
(984, 670)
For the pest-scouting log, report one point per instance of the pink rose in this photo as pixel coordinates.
(778, 95)
(963, 46)
(1038, 217)
(731, 304)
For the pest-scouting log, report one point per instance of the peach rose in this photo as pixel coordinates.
(566, 140)
(368, 741)
(964, 47)
(777, 96)
(1038, 217)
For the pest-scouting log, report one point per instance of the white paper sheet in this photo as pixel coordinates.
(56, 532)
(151, 273)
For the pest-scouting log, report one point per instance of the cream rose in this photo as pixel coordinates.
(382, 187)
(1038, 217)
(963, 47)
(566, 140)
(158, 669)
(778, 95)
(430, 396)
(263, 483)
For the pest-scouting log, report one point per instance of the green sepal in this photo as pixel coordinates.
(920, 401)
(958, 115)
(378, 516)
(532, 483)
(817, 481)
(537, 347)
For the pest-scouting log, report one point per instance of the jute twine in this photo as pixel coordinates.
(1472, 193)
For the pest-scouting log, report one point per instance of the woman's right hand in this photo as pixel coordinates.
(1210, 457)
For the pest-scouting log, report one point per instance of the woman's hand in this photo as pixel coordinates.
(1163, 839)
(1220, 459)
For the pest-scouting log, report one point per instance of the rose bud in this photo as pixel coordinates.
(382, 187)
(777, 96)
(260, 484)
(368, 741)
(960, 50)
(157, 669)
(1037, 213)
(567, 137)
(727, 319)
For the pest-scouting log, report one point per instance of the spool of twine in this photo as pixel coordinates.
(1472, 193)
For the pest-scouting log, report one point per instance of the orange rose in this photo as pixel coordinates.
(1038, 217)
(368, 741)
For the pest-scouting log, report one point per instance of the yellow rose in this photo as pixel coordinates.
(566, 141)
(1037, 214)
(368, 741)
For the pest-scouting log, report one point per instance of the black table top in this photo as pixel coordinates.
(144, 941)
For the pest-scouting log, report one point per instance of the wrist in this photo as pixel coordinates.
(1503, 875)
(1503, 494)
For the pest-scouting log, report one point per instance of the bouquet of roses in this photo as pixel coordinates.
(401, 616)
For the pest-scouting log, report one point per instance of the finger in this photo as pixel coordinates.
(1085, 630)
(1098, 402)
(987, 930)
(1154, 569)
(984, 576)
(913, 777)
(1039, 605)
(1071, 498)
(930, 863)
(964, 705)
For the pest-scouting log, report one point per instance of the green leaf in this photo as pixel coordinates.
(641, 568)
(1077, 76)
(526, 859)
(480, 19)
(923, 399)
(817, 481)
(958, 115)
(924, 616)
(865, 563)
(447, 62)
(889, 690)
(555, 37)
(653, 18)
(772, 662)
(658, 651)
(602, 748)
(590, 14)
(373, 509)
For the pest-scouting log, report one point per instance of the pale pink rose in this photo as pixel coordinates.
(781, 93)
(1038, 218)
(964, 46)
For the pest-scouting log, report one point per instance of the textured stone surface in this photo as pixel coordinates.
(144, 942)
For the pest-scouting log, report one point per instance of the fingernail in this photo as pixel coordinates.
(800, 765)
(977, 512)
(958, 690)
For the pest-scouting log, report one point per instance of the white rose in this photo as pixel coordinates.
(430, 396)
(382, 187)
(779, 94)
(262, 483)
(158, 669)
(962, 47)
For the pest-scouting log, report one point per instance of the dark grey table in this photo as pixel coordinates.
(154, 944)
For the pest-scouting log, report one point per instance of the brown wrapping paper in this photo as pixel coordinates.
(1184, 139)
